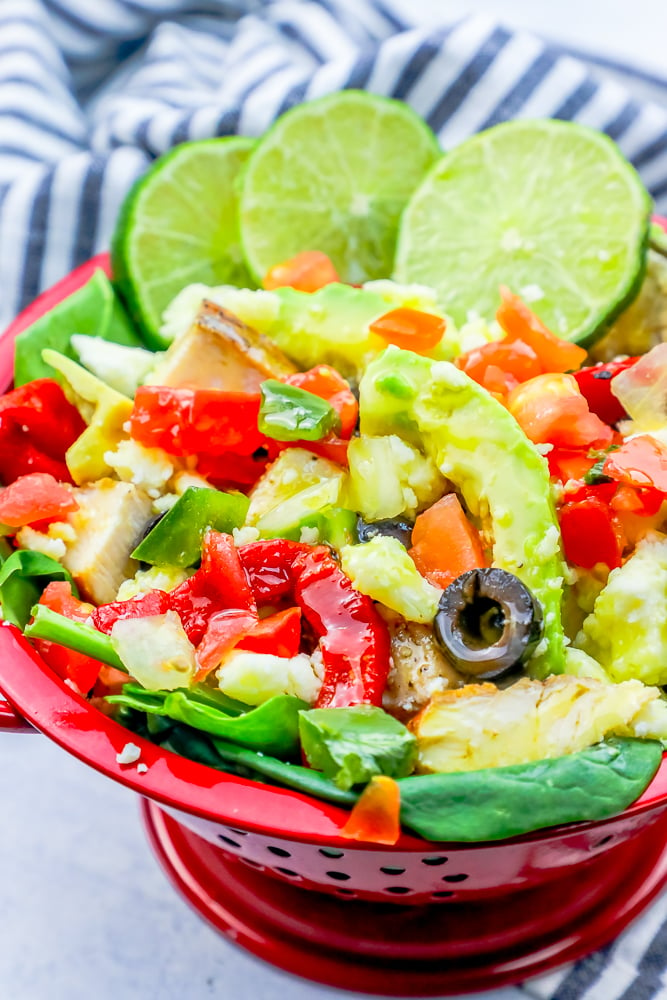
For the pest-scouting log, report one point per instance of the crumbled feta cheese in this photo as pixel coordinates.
(129, 754)
(142, 768)
(184, 480)
(309, 536)
(531, 293)
(549, 545)
(544, 449)
(62, 529)
(37, 541)
(243, 536)
(164, 503)
(148, 468)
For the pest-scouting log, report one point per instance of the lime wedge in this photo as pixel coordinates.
(334, 175)
(179, 225)
(549, 208)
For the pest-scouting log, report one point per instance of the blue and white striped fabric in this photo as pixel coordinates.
(91, 92)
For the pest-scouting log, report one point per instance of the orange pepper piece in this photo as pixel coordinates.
(306, 272)
(375, 817)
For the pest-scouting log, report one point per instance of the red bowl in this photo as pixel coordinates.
(547, 896)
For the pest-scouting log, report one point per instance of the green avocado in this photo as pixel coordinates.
(481, 449)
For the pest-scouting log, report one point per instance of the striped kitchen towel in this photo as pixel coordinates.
(90, 93)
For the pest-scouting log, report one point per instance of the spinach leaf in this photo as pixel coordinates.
(23, 577)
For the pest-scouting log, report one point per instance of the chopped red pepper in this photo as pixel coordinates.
(521, 324)
(222, 573)
(231, 471)
(307, 272)
(590, 534)
(641, 461)
(354, 640)
(190, 421)
(224, 629)
(376, 815)
(279, 634)
(595, 385)
(37, 426)
(411, 329)
(35, 497)
(569, 464)
(82, 671)
(155, 602)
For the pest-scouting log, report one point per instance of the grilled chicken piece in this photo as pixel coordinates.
(481, 726)
(419, 668)
(220, 351)
(108, 524)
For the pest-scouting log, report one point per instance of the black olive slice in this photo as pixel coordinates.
(395, 527)
(488, 622)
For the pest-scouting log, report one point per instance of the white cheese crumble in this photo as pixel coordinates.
(544, 449)
(129, 754)
(37, 541)
(531, 293)
(148, 468)
(142, 768)
(309, 536)
(243, 536)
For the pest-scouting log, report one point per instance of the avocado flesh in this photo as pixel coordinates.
(478, 445)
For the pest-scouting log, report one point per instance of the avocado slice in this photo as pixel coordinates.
(478, 445)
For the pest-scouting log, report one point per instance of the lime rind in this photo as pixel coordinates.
(334, 174)
(179, 225)
(550, 208)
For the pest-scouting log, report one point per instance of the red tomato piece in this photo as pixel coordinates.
(35, 497)
(306, 272)
(514, 359)
(590, 535)
(223, 574)
(445, 543)
(223, 631)
(82, 671)
(411, 329)
(155, 602)
(595, 386)
(641, 461)
(551, 410)
(569, 464)
(279, 634)
(189, 421)
(37, 426)
(231, 471)
(635, 500)
(325, 382)
(375, 817)
(520, 323)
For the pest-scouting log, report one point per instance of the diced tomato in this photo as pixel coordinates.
(498, 382)
(521, 324)
(641, 461)
(569, 463)
(635, 500)
(189, 421)
(223, 574)
(516, 361)
(445, 543)
(279, 634)
(590, 534)
(375, 817)
(551, 410)
(231, 471)
(37, 426)
(110, 681)
(35, 497)
(307, 272)
(325, 382)
(411, 329)
(595, 385)
(155, 602)
(80, 670)
(223, 631)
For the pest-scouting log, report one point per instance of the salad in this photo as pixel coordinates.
(312, 525)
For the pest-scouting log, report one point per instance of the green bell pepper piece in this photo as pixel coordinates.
(288, 413)
(23, 577)
(336, 526)
(350, 745)
(176, 539)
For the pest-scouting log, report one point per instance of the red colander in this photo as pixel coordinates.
(415, 919)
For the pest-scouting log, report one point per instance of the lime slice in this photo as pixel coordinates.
(179, 225)
(549, 208)
(334, 175)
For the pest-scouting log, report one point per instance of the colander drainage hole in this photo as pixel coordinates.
(393, 871)
(435, 861)
(338, 876)
(397, 890)
(237, 833)
(228, 840)
(442, 895)
(280, 852)
(288, 872)
(345, 892)
(605, 840)
(329, 852)
(454, 878)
